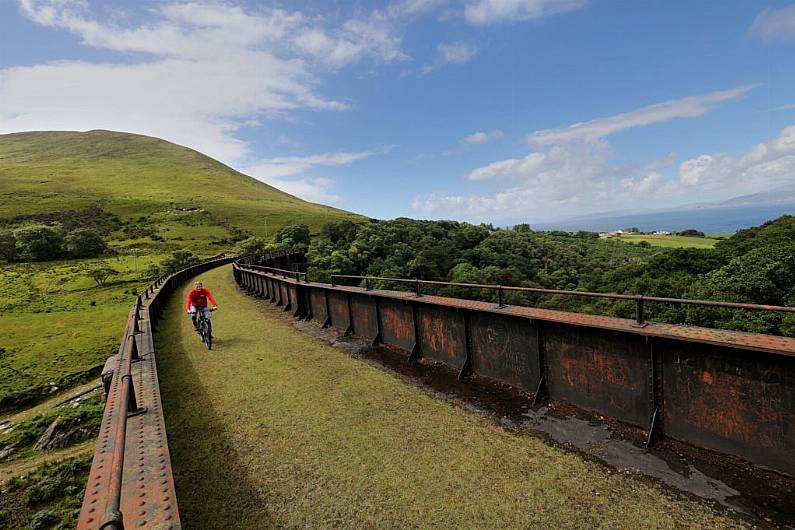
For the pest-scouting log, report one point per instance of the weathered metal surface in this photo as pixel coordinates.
(364, 317)
(602, 371)
(292, 292)
(505, 349)
(338, 310)
(442, 335)
(284, 295)
(397, 324)
(740, 399)
(731, 401)
(317, 304)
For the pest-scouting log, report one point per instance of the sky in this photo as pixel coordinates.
(500, 111)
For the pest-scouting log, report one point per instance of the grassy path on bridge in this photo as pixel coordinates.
(275, 428)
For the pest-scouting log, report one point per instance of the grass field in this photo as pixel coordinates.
(276, 429)
(57, 326)
(672, 241)
(133, 175)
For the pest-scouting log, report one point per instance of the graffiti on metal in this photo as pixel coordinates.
(397, 324)
(443, 335)
(604, 372)
(737, 404)
(506, 349)
(364, 316)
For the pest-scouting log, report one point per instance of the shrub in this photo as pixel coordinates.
(293, 236)
(152, 271)
(85, 243)
(8, 246)
(101, 274)
(38, 242)
(250, 246)
(179, 260)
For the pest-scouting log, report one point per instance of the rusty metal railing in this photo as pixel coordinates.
(639, 299)
(111, 495)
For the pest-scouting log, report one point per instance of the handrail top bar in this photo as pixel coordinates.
(614, 296)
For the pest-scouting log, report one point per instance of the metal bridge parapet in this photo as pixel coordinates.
(727, 391)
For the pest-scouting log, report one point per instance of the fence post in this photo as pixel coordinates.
(417, 287)
(639, 321)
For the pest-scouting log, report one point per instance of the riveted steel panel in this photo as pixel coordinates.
(273, 289)
(291, 289)
(364, 316)
(600, 370)
(338, 307)
(443, 335)
(317, 303)
(397, 324)
(731, 401)
(506, 349)
(266, 283)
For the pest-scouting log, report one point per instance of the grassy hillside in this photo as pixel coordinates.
(133, 175)
(671, 241)
(148, 198)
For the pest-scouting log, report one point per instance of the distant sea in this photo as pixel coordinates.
(715, 220)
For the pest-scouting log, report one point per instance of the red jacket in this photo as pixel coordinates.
(199, 298)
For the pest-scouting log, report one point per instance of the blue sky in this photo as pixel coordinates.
(501, 111)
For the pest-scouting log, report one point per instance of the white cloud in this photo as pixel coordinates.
(313, 190)
(456, 52)
(572, 168)
(195, 73)
(689, 107)
(765, 166)
(789, 106)
(775, 24)
(482, 137)
(375, 37)
(482, 12)
(290, 165)
(451, 53)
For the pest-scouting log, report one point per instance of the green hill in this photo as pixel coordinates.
(134, 175)
(147, 198)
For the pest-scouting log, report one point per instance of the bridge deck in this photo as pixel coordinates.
(274, 428)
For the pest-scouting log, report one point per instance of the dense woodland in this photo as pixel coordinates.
(755, 265)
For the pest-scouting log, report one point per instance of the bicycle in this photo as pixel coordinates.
(205, 328)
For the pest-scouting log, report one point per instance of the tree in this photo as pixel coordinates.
(152, 271)
(179, 259)
(101, 274)
(38, 242)
(691, 232)
(293, 236)
(765, 275)
(84, 243)
(341, 232)
(8, 246)
(251, 246)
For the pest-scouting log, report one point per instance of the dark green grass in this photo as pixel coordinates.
(48, 498)
(87, 416)
(274, 428)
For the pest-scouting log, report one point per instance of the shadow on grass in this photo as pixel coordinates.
(212, 485)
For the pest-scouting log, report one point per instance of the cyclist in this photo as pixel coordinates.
(197, 301)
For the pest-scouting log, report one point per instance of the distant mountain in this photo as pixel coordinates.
(718, 217)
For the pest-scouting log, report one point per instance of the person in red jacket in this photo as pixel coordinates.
(197, 301)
